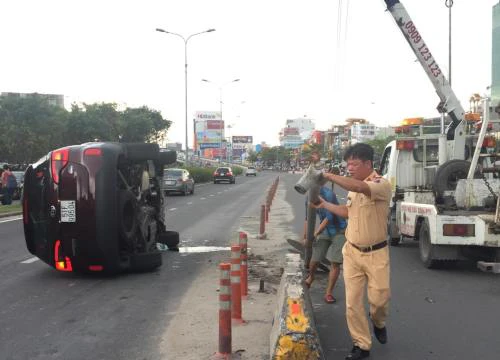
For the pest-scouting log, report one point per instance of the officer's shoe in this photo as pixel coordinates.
(357, 353)
(380, 334)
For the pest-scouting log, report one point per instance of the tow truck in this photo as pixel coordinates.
(445, 173)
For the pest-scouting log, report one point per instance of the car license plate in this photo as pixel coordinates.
(68, 211)
(170, 182)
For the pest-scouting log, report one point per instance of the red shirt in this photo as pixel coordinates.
(5, 177)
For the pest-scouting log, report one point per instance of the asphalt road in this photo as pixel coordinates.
(451, 313)
(434, 314)
(46, 314)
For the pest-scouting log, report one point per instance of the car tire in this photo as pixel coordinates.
(192, 190)
(215, 182)
(145, 262)
(142, 151)
(169, 238)
(167, 157)
(127, 215)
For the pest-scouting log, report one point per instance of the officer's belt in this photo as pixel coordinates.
(366, 249)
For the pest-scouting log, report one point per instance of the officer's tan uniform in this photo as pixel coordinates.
(367, 226)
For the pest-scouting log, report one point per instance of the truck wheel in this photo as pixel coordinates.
(425, 246)
(448, 175)
(142, 151)
(144, 262)
(394, 239)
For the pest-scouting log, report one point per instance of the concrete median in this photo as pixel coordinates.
(294, 334)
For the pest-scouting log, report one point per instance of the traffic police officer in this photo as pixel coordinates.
(366, 255)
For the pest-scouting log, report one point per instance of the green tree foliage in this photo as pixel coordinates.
(143, 125)
(275, 154)
(252, 156)
(31, 127)
(379, 144)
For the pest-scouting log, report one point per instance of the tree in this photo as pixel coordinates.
(31, 126)
(380, 144)
(143, 125)
(252, 156)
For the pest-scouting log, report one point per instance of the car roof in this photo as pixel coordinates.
(224, 167)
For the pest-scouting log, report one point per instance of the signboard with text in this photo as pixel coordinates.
(242, 139)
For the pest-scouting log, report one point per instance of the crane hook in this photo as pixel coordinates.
(448, 3)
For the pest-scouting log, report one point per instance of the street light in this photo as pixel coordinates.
(185, 78)
(221, 118)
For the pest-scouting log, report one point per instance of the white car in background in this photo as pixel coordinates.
(251, 170)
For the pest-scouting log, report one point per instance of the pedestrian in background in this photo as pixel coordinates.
(6, 188)
(366, 255)
(328, 243)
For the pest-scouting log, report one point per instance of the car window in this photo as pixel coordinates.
(173, 173)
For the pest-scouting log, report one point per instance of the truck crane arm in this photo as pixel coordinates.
(449, 103)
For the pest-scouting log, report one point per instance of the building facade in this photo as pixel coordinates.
(52, 99)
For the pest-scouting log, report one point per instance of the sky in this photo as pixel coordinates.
(320, 59)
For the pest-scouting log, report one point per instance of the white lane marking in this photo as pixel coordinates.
(172, 209)
(30, 260)
(11, 219)
(211, 195)
(203, 198)
(190, 203)
(220, 192)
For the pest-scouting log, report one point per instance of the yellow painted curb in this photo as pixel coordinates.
(293, 336)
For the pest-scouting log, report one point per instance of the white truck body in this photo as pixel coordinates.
(445, 183)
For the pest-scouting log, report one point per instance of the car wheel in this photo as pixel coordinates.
(142, 152)
(192, 190)
(127, 221)
(167, 157)
(144, 262)
(215, 182)
(185, 191)
(169, 238)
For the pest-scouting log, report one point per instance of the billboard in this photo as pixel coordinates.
(242, 139)
(209, 130)
(207, 115)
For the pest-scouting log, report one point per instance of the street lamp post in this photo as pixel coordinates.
(221, 118)
(185, 39)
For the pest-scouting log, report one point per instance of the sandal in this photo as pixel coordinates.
(329, 299)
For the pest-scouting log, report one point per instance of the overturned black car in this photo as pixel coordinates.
(98, 207)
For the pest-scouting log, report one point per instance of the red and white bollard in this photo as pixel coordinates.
(244, 264)
(236, 284)
(225, 310)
